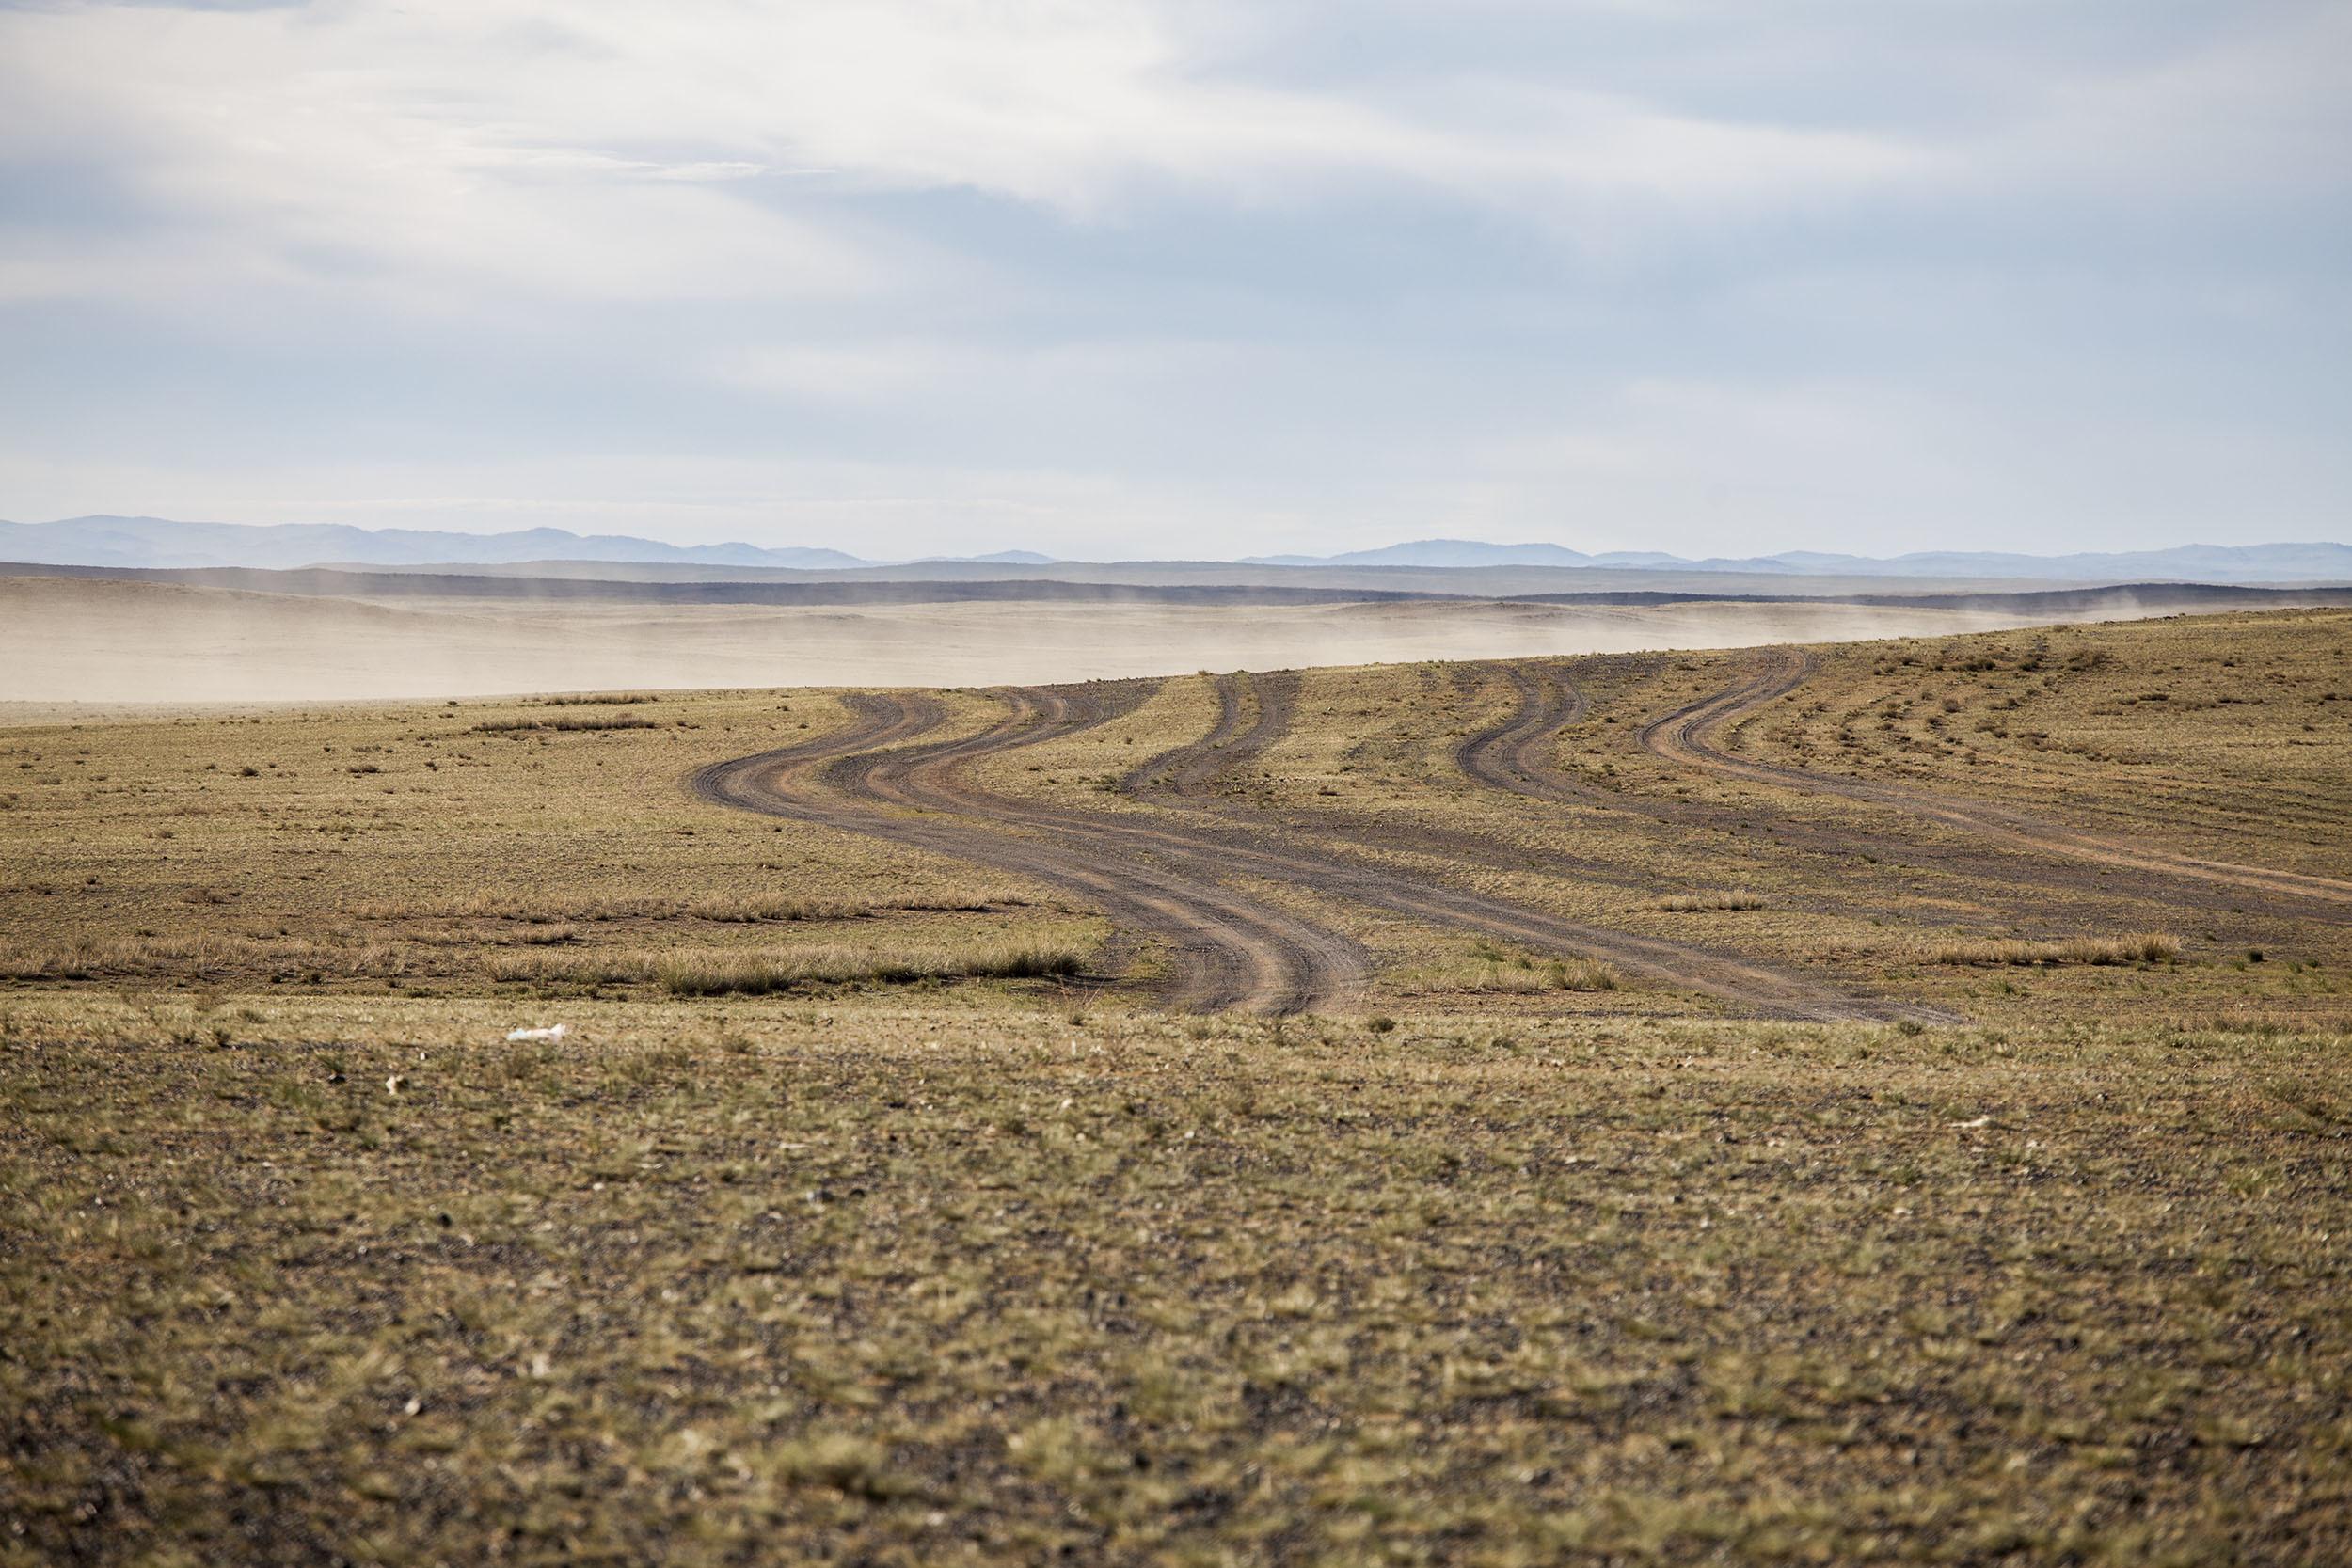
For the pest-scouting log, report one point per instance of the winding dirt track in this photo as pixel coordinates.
(1162, 877)
(1188, 777)
(2017, 856)
(1229, 951)
(1165, 876)
(1194, 768)
(1685, 736)
(1513, 755)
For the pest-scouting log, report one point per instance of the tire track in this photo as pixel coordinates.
(1192, 771)
(1242, 952)
(1231, 950)
(1163, 880)
(1685, 736)
(1510, 755)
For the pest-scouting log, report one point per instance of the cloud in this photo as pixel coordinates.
(1629, 265)
(482, 139)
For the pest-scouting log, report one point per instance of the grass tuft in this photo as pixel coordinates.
(759, 973)
(1710, 903)
(565, 721)
(2144, 947)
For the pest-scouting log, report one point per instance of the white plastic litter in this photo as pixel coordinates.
(556, 1033)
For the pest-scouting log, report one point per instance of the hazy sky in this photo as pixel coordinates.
(1187, 279)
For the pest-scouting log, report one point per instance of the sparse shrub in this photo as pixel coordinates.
(775, 906)
(601, 968)
(565, 721)
(759, 973)
(854, 1466)
(1580, 975)
(1710, 903)
(2144, 947)
(1527, 977)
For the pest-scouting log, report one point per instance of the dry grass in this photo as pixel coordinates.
(483, 904)
(566, 722)
(759, 973)
(200, 954)
(1495, 968)
(706, 972)
(1712, 903)
(1573, 974)
(291, 1280)
(597, 968)
(2145, 947)
(741, 908)
(753, 909)
(860, 1246)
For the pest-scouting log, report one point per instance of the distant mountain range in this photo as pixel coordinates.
(2311, 562)
(159, 542)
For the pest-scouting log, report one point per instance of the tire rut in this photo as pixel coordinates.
(1192, 767)
(1684, 737)
(1231, 950)
(1191, 772)
(1511, 755)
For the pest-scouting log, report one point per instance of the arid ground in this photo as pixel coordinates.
(1870, 1101)
(182, 637)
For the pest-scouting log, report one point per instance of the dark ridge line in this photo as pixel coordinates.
(333, 582)
(326, 582)
(2121, 596)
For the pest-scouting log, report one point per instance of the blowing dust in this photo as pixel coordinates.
(79, 641)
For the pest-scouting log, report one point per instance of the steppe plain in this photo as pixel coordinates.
(1804, 1101)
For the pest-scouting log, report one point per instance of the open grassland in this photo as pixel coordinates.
(521, 847)
(2158, 858)
(298, 1280)
(1352, 838)
(1886, 1103)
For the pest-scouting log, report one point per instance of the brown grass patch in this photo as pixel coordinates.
(2143, 947)
(565, 721)
(1714, 902)
(755, 973)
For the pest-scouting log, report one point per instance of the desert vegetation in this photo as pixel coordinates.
(1659, 1152)
(722, 1278)
(1714, 903)
(2144, 948)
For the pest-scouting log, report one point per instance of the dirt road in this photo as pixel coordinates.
(1295, 846)
(1686, 737)
(1165, 876)
(1227, 950)
(1169, 876)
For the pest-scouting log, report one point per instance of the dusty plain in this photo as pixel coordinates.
(1870, 1102)
(109, 640)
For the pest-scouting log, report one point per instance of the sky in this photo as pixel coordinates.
(1132, 279)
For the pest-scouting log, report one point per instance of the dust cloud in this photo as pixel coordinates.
(65, 640)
